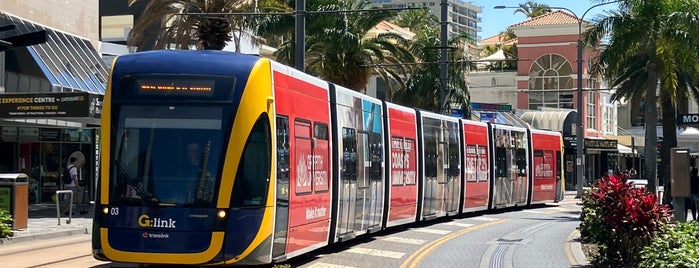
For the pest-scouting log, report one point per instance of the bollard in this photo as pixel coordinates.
(58, 206)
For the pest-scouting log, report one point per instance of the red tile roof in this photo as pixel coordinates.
(557, 17)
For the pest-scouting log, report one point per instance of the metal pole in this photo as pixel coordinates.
(444, 75)
(300, 35)
(579, 137)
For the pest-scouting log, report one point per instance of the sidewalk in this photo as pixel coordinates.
(43, 224)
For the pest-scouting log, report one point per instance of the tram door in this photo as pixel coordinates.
(510, 185)
(442, 177)
(361, 180)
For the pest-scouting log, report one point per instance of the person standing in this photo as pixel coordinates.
(694, 190)
(73, 184)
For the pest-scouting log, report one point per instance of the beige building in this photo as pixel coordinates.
(52, 81)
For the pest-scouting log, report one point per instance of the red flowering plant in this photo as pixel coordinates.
(621, 219)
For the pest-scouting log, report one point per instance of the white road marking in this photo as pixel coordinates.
(404, 240)
(376, 252)
(459, 224)
(327, 265)
(484, 218)
(431, 231)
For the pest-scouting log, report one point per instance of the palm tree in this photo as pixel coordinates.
(533, 9)
(341, 53)
(651, 41)
(423, 87)
(204, 31)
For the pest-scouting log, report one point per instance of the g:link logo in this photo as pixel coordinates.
(146, 222)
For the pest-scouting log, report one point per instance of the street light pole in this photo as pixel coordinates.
(579, 130)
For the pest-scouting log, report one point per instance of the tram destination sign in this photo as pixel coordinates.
(687, 119)
(50, 105)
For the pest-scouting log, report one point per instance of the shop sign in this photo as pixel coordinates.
(687, 119)
(601, 144)
(47, 105)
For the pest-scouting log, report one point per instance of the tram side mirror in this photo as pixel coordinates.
(679, 161)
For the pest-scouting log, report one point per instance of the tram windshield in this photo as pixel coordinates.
(166, 155)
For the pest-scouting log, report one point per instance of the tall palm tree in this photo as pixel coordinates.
(158, 27)
(423, 87)
(533, 9)
(341, 53)
(651, 41)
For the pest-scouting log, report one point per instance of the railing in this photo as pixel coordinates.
(58, 206)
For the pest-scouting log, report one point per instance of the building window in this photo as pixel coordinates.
(608, 114)
(591, 110)
(550, 83)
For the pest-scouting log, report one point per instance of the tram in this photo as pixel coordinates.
(219, 158)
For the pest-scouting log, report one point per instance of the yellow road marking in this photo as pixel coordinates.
(415, 259)
(569, 251)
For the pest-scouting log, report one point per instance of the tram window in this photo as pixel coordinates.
(454, 162)
(320, 131)
(376, 156)
(558, 165)
(252, 178)
(349, 154)
(283, 148)
(521, 158)
(320, 151)
(430, 153)
(500, 162)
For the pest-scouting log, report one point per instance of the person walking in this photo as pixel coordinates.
(71, 182)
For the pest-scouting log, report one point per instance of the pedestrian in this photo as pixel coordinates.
(694, 190)
(71, 182)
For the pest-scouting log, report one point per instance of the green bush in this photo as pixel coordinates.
(620, 219)
(5, 223)
(677, 245)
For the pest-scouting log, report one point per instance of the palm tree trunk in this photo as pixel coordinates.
(669, 141)
(651, 120)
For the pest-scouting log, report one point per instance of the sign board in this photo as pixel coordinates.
(687, 119)
(50, 105)
(491, 107)
(601, 144)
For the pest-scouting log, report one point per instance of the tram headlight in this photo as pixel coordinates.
(221, 214)
(105, 210)
(220, 223)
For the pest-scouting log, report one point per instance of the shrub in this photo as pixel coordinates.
(677, 245)
(5, 223)
(620, 219)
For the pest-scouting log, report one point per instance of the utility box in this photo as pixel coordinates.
(14, 197)
(679, 161)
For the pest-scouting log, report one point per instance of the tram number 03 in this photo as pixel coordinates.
(114, 211)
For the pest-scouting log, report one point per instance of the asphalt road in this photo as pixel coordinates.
(512, 238)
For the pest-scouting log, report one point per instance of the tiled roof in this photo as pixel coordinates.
(386, 26)
(495, 39)
(554, 18)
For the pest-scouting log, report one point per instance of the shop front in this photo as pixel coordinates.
(36, 142)
(600, 158)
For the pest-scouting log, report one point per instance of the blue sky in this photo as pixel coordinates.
(497, 20)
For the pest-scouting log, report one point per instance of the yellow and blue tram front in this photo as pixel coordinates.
(185, 166)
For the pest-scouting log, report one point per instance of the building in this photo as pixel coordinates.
(462, 16)
(52, 81)
(543, 90)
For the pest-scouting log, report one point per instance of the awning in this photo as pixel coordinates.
(554, 120)
(69, 62)
(623, 149)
